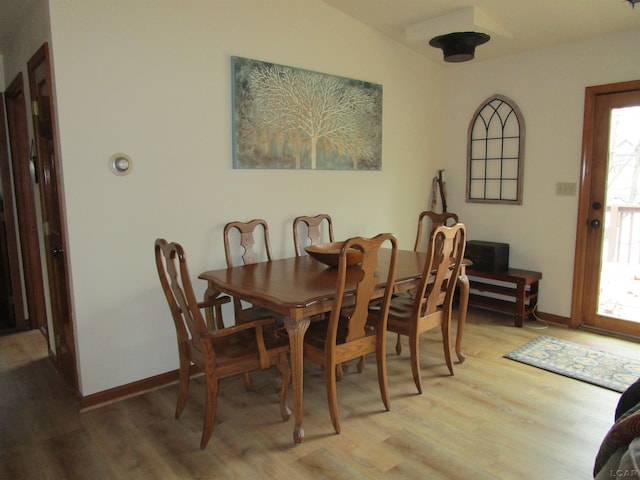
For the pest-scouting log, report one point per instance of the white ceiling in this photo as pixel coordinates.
(514, 25)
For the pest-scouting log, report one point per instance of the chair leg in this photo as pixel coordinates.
(415, 360)
(285, 375)
(332, 396)
(361, 364)
(183, 391)
(398, 345)
(211, 400)
(446, 343)
(248, 384)
(381, 359)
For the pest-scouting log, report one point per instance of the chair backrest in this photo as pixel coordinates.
(249, 250)
(356, 309)
(313, 226)
(445, 254)
(427, 222)
(171, 263)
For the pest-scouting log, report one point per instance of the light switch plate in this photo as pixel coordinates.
(567, 189)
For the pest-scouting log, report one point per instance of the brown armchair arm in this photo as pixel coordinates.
(257, 324)
(213, 310)
(214, 302)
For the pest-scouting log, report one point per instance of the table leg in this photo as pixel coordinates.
(520, 293)
(296, 331)
(463, 285)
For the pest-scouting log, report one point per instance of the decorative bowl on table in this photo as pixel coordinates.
(329, 253)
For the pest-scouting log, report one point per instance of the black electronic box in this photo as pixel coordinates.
(488, 256)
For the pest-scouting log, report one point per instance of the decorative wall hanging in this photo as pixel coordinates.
(495, 153)
(288, 118)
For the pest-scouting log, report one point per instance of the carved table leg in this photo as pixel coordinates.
(463, 284)
(296, 331)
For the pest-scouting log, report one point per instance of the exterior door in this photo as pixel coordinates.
(44, 127)
(608, 236)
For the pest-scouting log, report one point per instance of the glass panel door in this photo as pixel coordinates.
(620, 261)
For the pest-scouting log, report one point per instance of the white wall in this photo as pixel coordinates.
(548, 86)
(153, 80)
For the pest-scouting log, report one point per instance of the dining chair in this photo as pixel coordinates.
(432, 304)
(427, 222)
(247, 243)
(309, 231)
(252, 246)
(219, 353)
(348, 334)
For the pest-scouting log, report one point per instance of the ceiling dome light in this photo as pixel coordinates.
(459, 46)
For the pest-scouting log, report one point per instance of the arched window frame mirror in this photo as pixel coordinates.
(495, 153)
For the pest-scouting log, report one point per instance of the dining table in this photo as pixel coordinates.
(300, 287)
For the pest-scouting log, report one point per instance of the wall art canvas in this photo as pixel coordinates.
(289, 118)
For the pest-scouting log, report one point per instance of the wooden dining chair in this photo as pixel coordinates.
(246, 243)
(309, 231)
(348, 335)
(219, 353)
(427, 222)
(252, 246)
(432, 304)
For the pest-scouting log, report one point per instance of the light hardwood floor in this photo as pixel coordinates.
(495, 419)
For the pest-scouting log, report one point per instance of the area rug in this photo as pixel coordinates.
(578, 361)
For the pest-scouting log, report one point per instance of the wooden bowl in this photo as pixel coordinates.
(329, 253)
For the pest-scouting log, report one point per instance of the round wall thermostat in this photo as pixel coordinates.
(120, 164)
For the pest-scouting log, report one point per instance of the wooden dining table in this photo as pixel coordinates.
(300, 287)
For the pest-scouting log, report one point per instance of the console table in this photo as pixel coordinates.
(522, 285)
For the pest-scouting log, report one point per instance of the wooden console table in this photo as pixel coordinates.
(525, 291)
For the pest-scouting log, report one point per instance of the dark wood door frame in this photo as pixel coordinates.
(25, 207)
(590, 133)
(52, 211)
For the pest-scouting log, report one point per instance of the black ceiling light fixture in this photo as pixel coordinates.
(633, 2)
(461, 46)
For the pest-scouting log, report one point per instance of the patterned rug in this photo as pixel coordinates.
(578, 361)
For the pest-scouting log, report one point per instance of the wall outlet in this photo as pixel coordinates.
(567, 189)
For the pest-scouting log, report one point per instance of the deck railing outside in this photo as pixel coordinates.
(622, 234)
(620, 270)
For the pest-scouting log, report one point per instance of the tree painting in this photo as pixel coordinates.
(290, 118)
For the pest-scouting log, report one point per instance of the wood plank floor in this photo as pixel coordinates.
(495, 419)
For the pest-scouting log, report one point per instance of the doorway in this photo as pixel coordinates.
(607, 264)
(34, 315)
(37, 187)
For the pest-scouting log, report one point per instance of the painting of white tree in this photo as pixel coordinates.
(289, 118)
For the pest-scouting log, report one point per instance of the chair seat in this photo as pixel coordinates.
(244, 346)
(316, 335)
(255, 313)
